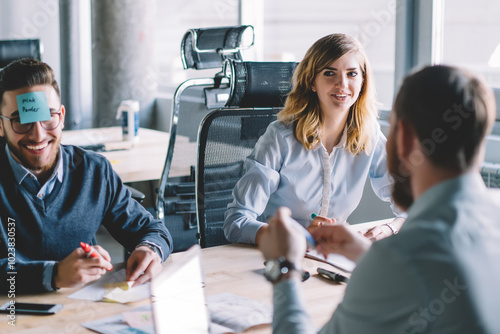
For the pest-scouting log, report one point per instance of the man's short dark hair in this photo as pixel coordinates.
(451, 111)
(26, 72)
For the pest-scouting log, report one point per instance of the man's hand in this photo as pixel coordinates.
(142, 265)
(340, 239)
(320, 221)
(282, 239)
(77, 269)
(261, 231)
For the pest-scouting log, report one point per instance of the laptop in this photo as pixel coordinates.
(178, 298)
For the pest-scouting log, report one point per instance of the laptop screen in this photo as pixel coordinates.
(178, 298)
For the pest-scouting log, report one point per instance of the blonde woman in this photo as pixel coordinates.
(317, 156)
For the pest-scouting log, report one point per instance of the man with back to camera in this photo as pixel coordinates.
(53, 196)
(440, 274)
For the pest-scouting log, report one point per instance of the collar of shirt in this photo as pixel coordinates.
(20, 172)
(435, 198)
(341, 144)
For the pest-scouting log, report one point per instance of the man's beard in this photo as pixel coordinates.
(36, 166)
(401, 189)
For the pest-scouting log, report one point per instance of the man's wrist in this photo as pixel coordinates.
(292, 274)
(282, 269)
(152, 247)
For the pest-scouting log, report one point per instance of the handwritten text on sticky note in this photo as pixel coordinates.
(33, 107)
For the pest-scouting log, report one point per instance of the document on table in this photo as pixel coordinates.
(99, 290)
(136, 321)
(229, 313)
(336, 260)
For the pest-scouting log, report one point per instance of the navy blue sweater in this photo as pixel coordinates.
(90, 195)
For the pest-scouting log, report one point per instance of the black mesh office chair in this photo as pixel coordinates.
(200, 49)
(11, 50)
(227, 136)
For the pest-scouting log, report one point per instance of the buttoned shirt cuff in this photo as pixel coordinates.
(47, 275)
(249, 232)
(153, 246)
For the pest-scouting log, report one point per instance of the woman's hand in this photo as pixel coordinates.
(383, 231)
(319, 221)
(378, 232)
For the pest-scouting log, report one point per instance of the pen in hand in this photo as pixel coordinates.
(332, 276)
(91, 252)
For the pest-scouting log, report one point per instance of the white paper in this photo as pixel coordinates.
(117, 324)
(229, 311)
(96, 291)
(335, 260)
(229, 314)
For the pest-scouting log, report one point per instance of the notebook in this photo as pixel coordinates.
(178, 299)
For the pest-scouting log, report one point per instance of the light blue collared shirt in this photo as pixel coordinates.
(440, 274)
(29, 181)
(282, 172)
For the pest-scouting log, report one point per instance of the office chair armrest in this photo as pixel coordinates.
(136, 194)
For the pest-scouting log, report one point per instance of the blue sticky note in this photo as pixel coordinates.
(33, 107)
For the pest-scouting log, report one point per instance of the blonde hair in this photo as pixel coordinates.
(302, 105)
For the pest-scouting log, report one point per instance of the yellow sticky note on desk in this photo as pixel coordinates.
(122, 285)
(116, 292)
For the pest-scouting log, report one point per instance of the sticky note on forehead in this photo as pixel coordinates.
(33, 107)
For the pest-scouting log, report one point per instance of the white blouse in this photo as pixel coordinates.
(280, 171)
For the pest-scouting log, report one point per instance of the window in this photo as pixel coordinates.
(471, 39)
(292, 26)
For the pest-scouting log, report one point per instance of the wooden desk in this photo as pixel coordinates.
(231, 268)
(145, 159)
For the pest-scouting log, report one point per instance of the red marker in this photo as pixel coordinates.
(91, 252)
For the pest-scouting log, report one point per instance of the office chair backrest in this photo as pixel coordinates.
(227, 136)
(207, 47)
(11, 50)
(258, 84)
